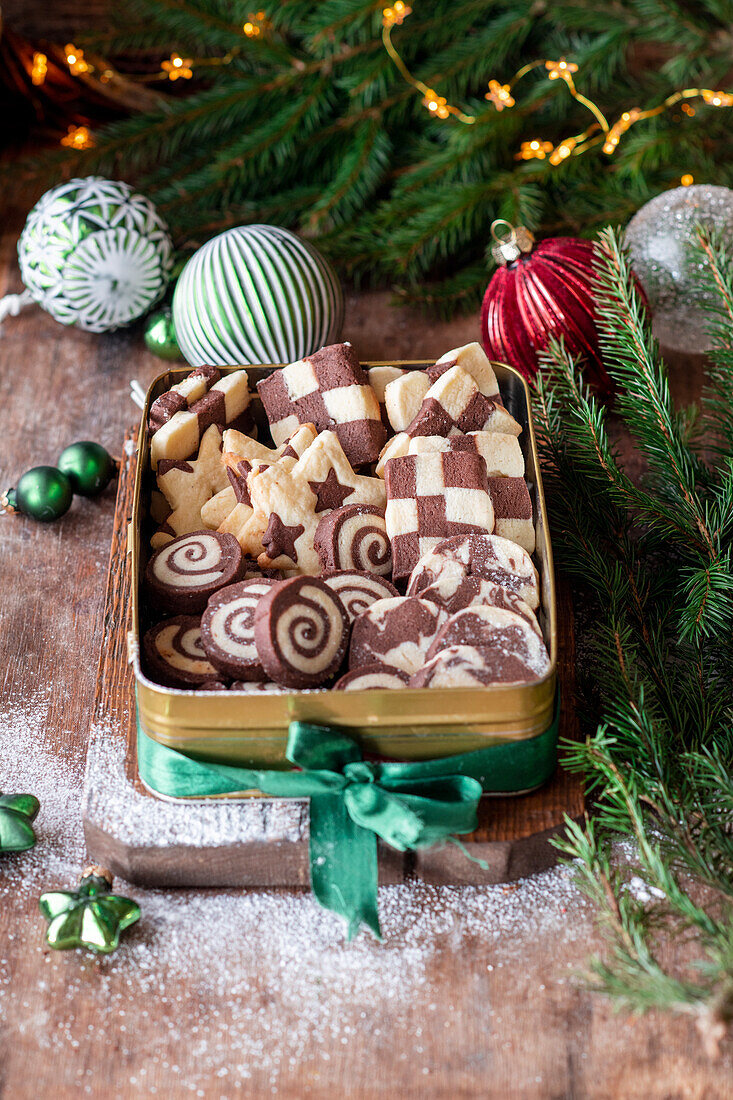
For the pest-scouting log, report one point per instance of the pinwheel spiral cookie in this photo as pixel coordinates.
(396, 632)
(358, 591)
(227, 629)
(373, 676)
(183, 574)
(301, 631)
(354, 537)
(174, 654)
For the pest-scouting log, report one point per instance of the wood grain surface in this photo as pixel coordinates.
(478, 1015)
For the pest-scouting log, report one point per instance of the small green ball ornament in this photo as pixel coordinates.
(44, 493)
(160, 335)
(88, 467)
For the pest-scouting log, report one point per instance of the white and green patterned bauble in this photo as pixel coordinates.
(256, 294)
(95, 254)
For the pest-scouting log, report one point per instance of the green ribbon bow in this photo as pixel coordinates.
(352, 801)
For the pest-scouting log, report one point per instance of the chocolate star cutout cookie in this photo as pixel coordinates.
(330, 493)
(280, 539)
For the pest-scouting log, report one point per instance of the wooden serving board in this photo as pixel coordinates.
(154, 841)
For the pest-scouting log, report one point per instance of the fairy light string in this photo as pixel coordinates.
(501, 96)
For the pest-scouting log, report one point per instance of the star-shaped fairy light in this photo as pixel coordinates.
(561, 70)
(500, 95)
(534, 150)
(177, 67)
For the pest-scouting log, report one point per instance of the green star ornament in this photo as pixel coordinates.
(89, 916)
(16, 813)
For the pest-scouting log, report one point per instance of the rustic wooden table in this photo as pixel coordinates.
(217, 994)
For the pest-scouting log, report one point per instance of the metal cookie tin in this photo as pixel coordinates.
(416, 724)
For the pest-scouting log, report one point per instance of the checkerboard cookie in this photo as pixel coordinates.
(404, 396)
(454, 403)
(188, 485)
(179, 438)
(328, 389)
(472, 358)
(500, 631)
(500, 451)
(431, 497)
(513, 511)
(181, 396)
(396, 632)
(379, 378)
(489, 556)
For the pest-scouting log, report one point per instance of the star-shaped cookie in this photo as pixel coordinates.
(188, 485)
(298, 497)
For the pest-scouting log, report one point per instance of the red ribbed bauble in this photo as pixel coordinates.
(539, 291)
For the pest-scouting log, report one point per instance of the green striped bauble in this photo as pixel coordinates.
(256, 294)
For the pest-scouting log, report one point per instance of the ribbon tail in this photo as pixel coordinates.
(343, 863)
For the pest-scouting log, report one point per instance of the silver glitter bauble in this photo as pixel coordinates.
(660, 238)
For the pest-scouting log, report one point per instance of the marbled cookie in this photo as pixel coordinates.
(354, 537)
(227, 629)
(358, 591)
(174, 654)
(455, 591)
(397, 632)
(372, 676)
(489, 556)
(431, 497)
(466, 666)
(301, 631)
(179, 397)
(501, 631)
(513, 511)
(328, 389)
(183, 574)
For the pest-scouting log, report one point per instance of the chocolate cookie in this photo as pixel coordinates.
(301, 631)
(468, 666)
(489, 556)
(227, 629)
(181, 396)
(174, 654)
(372, 676)
(185, 572)
(503, 632)
(454, 592)
(354, 537)
(358, 591)
(396, 632)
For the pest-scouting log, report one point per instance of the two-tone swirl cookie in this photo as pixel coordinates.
(227, 629)
(477, 555)
(301, 631)
(174, 655)
(470, 666)
(371, 677)
(358, 591)
(354, 537)
(454, 592)
(185, 572)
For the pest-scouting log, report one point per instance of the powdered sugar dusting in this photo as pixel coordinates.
(225, 969)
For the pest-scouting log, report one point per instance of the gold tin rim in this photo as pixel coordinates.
(270, 708)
